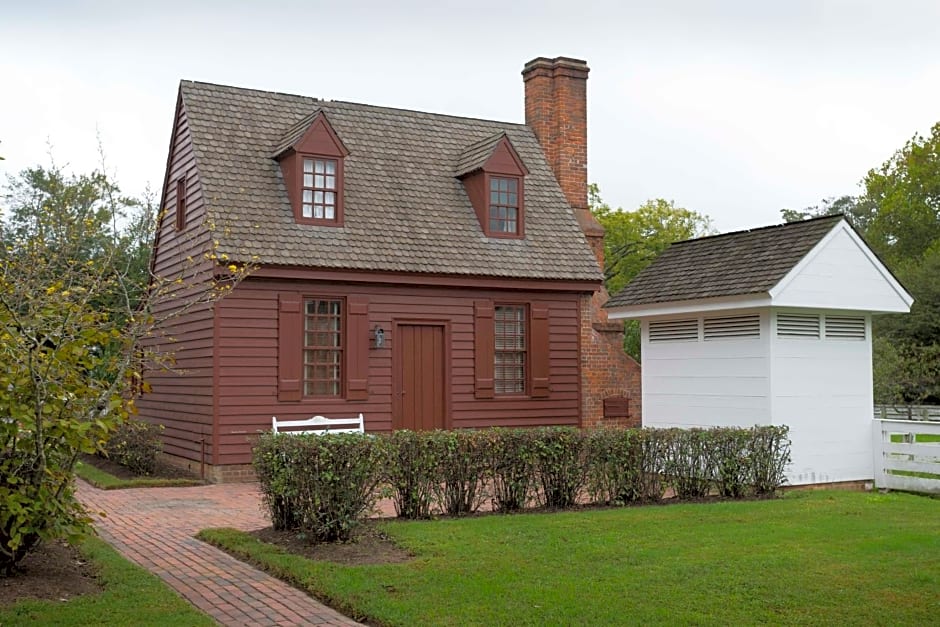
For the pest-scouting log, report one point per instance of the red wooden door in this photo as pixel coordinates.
(420, 391)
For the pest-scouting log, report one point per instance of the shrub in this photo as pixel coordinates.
(625, 465)
(510, 462)
(411, 472)
(327, 483)
(732, 461)
(461, 468)
(135, 445)
(559, 465)
(271, 457)
(770, 454)
(688, 465)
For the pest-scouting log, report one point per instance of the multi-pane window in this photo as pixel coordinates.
(319, 189)
(504, 205)
(323, 347)
(510, 354)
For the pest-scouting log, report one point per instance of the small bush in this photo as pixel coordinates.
(461, 468)
(730, 449)
(688, 465)
(559, 465)
(510, 461)
(326, 483)
(625, 465)
(770, 455)
(135, 445)
(271, 457)
(411, 472)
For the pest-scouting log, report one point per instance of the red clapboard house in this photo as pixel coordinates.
(425, 270)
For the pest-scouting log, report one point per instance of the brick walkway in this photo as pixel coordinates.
(154, 527)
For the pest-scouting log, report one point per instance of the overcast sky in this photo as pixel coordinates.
(733, 108)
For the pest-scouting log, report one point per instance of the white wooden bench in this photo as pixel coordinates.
(320, 425)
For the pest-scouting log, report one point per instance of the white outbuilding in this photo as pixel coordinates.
(767, 326)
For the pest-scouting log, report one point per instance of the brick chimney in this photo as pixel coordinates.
(556, 110)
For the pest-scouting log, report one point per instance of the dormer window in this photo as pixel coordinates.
(494, 176)
(504, 205)
(319, 189)
(311, 157)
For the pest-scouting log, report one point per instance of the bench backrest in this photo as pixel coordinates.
(320, 425)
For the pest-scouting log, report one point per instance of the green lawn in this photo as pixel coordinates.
(920, 438)
(132, 596)
(106, 481)
(828, 557)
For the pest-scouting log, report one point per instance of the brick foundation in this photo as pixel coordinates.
(233, 473)
(854, 486)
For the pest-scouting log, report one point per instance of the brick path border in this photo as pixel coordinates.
(154, 527)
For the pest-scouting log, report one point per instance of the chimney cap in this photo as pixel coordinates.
(569, 64)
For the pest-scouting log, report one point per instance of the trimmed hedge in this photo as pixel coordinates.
(324, 485)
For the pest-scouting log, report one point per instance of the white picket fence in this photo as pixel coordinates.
(907, 455)
(907, 412)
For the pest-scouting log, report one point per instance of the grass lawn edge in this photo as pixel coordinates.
(106, 481)
(131, 595)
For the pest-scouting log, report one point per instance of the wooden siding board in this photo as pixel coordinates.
(246, 404)
(182, 400)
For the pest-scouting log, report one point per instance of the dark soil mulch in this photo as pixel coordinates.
(162, 471)
(54, 571)
(369, 545)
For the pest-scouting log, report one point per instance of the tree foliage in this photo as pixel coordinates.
(76, 300)
(633, 239)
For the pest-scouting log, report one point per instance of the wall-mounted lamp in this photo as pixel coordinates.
(378, 335)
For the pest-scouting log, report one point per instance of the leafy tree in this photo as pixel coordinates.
(858, 210)
(633, 239)
(74, 307)
(906, 192)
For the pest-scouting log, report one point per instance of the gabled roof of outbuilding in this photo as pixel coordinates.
(404, 209)
(731, 264)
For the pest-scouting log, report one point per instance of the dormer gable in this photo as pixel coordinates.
(311, 157)
(493, 175)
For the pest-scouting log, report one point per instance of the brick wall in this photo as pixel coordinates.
(556, 110)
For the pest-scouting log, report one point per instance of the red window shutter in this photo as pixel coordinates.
(484, 345)
(289, 347)
(357, 347)
(538, 350)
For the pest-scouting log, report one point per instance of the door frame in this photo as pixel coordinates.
(397, 365)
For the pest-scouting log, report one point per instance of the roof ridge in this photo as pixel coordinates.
(358, 104)
(832, 217)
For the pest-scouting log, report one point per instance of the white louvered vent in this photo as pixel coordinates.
(732, 327)
(673, 330)
(845, 327)
(797, 325)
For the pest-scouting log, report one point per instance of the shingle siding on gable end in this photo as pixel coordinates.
(405, 210)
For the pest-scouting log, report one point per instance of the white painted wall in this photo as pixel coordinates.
(706, 383)
(840, 273)
(822, 389)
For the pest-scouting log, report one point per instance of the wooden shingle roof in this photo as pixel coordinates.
(404, 208)
(731, 264)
